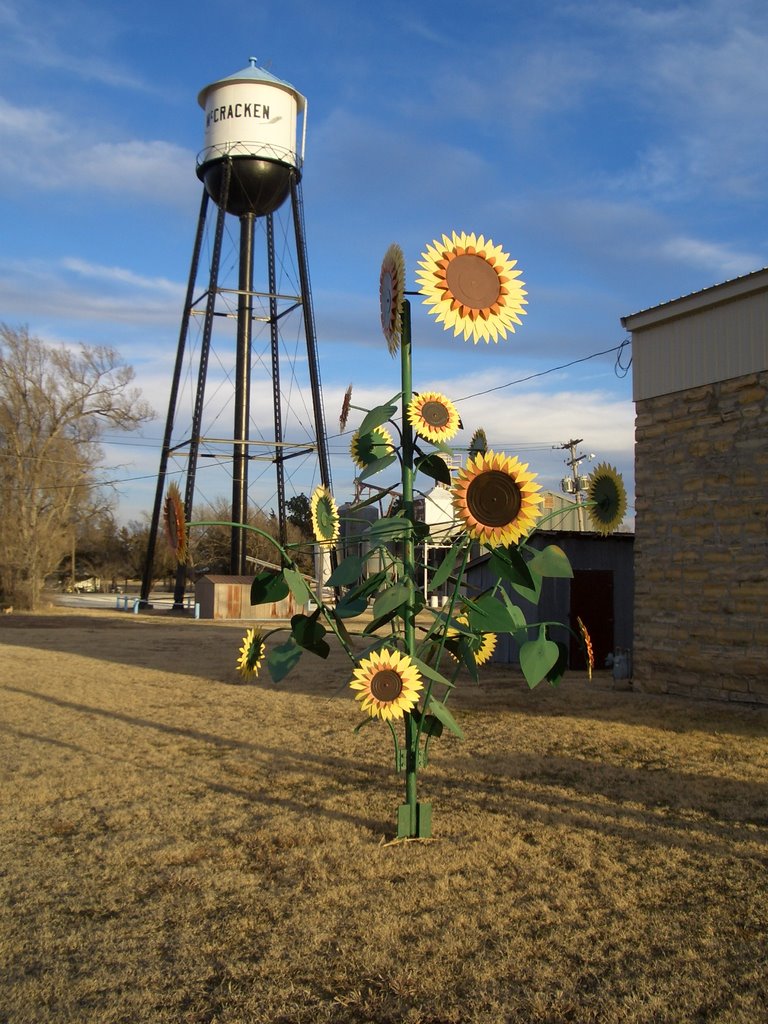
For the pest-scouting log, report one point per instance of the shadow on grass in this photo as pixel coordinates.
(661, 806)
(163, 642)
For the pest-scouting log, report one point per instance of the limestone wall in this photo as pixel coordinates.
(701, 542)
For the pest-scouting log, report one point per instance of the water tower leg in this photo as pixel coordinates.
(205, 348)
(276, 394)
(146, 583)
(237, 563)
(309, 328)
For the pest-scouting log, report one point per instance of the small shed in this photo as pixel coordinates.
(600, 593)
(229, 597)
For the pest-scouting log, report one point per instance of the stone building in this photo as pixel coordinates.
(700, 378)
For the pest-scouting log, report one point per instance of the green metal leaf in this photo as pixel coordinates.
(348, 607)
(391, 598)
(431, 673)
(551, 561)
(509, 564)
(346, 572)
(420, 530)
(538, 657)
(376, 417)
(432, 726)
(445, 568)
(377, 466)
(308, 633)
(467, 656)
(268, 587)
(340, 627)
(367, 586)
(361, 725)
(440, 711)
(557, 671)
(388, 529)
(532, 593)
(382, 620)
(491, 615)
(282, 659)
(515, 611)
(298, 586)
(433, 466)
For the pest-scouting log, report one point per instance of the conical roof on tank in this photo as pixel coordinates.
(254, 74)
(251, 122)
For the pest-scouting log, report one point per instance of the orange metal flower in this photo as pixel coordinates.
(175, 523)
(587, 646)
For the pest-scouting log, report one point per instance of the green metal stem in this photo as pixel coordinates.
(409, 568)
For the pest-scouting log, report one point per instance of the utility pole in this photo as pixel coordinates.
(577, 484)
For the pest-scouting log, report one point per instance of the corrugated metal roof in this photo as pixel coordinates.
(713, 295)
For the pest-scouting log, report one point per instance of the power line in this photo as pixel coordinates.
(553, 369)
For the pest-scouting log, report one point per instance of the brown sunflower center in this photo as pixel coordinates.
(325, 517)
(493, 498)
(435, 414)
(386, 685)
(472, 281)
(606, 497)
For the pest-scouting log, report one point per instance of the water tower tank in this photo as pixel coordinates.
(251, 118)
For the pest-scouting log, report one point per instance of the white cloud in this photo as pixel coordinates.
(122, 276)
(720, 259)
(50, 155)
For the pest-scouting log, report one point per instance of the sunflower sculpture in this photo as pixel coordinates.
(606, 499)
(471, 286)
(479, 442)
(482, 645)
(251, 654)
(388, 684)
(496, 498)
(345, 407)
(325, 516)
(400, 596)
(433, 416)
(368, 448)
(391, 294)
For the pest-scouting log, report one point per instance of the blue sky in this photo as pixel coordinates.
(616, 150)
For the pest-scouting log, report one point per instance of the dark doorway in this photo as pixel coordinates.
(592, 602)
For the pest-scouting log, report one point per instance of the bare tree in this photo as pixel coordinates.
(55, 404)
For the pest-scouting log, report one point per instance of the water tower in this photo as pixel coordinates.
(250, 165)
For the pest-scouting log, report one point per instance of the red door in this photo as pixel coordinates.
(592, 601)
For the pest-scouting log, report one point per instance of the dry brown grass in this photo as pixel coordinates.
(178, 848)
